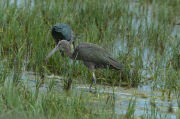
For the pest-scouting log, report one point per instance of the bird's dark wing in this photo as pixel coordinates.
(95, 54)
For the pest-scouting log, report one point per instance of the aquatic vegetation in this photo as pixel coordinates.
(143, 35)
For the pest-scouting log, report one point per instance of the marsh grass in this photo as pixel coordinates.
(19, 102)
(140, 35)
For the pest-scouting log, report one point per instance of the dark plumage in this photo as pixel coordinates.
(63, 32)
(91, 55)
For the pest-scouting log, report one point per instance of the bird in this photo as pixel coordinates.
(92, 55)
(63, 31)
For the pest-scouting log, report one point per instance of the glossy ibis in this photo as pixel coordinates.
(92, 55)
(63, 32)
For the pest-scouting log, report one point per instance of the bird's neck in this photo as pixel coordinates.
(68, 52)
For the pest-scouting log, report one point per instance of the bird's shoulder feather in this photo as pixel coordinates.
(92, 53)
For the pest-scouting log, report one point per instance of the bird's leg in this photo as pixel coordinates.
(93, 80)
(94, 77)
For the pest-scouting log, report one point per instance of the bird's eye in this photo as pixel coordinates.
(59, 43)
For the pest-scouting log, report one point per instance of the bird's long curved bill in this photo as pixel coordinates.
(53, 51)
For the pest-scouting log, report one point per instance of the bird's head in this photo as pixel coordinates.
(62, 31)
(58, 28)
(62, 44)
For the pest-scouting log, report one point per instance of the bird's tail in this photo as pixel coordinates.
(115, 64)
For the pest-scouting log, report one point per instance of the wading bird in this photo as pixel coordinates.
(63, 32)
(92, 55)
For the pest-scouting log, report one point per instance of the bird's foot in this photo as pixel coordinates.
(93, 91)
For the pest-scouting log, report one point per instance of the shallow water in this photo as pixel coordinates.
(122, 95)
(148, 52)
